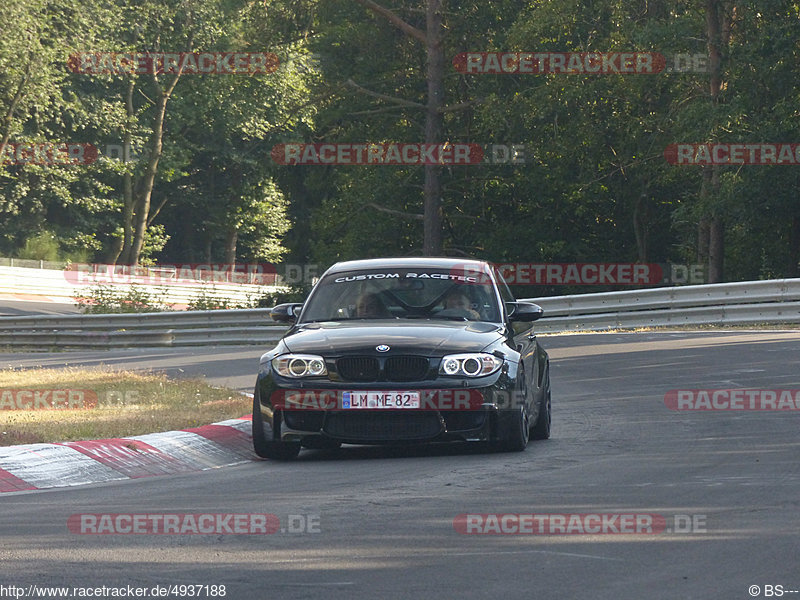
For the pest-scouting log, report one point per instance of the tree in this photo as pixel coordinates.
(156, 26)
(711, 230)
(38, 105)
(431, 37)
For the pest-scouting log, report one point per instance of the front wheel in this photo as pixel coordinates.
(515, 430)
(265, 448)
(541, 430)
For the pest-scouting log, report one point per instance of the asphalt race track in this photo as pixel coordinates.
(27, 307)
(373, 522)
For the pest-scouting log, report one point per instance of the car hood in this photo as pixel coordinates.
(432, 338)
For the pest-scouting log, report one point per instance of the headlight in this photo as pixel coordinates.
(299, 365)
(475, 364)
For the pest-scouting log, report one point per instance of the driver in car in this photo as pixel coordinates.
(458, 301)
(369, 306)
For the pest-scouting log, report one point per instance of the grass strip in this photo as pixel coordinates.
(77, 403)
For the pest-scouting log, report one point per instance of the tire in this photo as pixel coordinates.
(516, 427)
(541, 430)
(270, 448)
(517, 432)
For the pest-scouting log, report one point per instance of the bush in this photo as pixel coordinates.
(206, 301)
(42, 246)
(104, 299)
(293, 294)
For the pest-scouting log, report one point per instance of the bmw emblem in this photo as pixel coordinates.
(382, 348)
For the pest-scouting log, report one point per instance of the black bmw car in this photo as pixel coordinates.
(403, 350)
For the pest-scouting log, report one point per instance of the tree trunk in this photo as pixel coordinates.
(8, 119)
(113, 254)
(127, 181)
(640, 219)
(718, 32)
(716, 250)
(207, 248)
(231, 237)
(703, 237)
(127, 218)
(712, 226)
(144, 188)
(434, 121)
(298, 238)
(434, 127)
(714, 27)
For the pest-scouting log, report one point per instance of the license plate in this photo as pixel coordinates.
(381, 400)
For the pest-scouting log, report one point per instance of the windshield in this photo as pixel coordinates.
(402, 294)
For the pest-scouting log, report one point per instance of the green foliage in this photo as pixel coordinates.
(42, 246)
(103, 299)
(155, 239)
(595, 186)
(207, 300)
(296, 293)
(46, 246)
(594, 143)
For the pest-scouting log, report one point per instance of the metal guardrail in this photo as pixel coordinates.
(256, 317)
(753, 302)
(189, 328)
(775, 301)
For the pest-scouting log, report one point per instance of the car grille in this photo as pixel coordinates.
(357, 368)
(367, 369)
(406, 368)
(383, 425)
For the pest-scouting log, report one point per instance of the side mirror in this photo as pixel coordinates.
(524, 311)
(285, 313)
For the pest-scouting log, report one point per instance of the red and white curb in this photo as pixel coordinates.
(41, 466)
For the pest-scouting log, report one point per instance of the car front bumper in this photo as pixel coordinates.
(456, 410)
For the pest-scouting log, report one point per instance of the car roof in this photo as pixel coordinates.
(410, 263)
